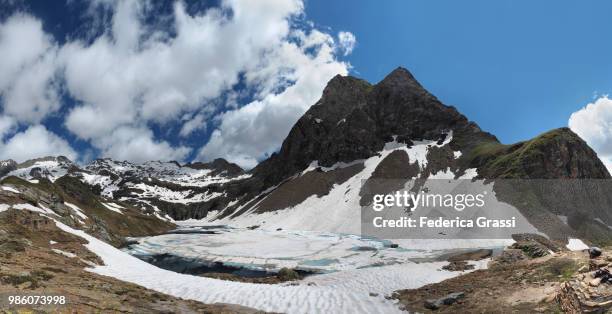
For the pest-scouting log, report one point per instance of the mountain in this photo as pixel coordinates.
(356, 133)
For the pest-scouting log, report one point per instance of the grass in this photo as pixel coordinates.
(512, 161)
(562, 268)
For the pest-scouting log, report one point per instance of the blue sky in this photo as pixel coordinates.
(517, 68)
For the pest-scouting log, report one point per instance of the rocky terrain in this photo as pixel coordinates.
(521, 281)
(39, 258)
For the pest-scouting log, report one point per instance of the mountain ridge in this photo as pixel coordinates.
(353, 124)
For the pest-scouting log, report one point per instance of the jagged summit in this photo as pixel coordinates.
(218, 165)
(400, 77)
(354, 119)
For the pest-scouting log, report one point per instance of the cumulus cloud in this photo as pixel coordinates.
(138, 145)
(134, 78)
(247, 134)
(28, 67)
(6, 125)
(347, 42)
(593, 123)
(196, 123)
(35, 142)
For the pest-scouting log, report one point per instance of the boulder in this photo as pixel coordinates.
(434, 304)
(594, 252)
(473, 255)
(286, 274)
(531, 248)
(458, 266)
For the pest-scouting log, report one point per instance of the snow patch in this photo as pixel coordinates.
(114, 207)
(171, 196)
(76, 210)
(10, 189)
(67, 254)
(42, 209)
(576, 245)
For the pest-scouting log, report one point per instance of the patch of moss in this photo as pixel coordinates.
(496, 160)
(560, 268)
(286, 274)
(16, 181)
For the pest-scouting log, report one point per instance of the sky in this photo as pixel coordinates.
(163, 80)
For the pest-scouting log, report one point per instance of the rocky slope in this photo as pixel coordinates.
(562, 282)
(39, 203)
(38, 258)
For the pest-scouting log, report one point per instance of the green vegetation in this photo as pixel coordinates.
(286, 274)
(515, 161)
(34, 278)
(563, 268)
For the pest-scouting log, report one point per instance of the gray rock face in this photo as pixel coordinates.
(7, 166)
(354, 119)
(219, 166)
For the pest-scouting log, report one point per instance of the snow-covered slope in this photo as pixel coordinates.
(51, 168)
(338, 210)
(354, 291)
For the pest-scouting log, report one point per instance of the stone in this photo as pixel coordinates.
(287, 274)
(531, 248)
(595, 282)
(594, 252)
(449, 299)
(458, 266)
(472, 255)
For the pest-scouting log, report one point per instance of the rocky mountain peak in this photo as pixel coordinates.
(559, 153)
(218, 166)
(400, 77)
(354, 119)
(7, 166)
(401, 83)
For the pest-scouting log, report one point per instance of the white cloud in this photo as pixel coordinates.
(347, 42)
(134, 77)
(593, 123)
(6, 125)
(196, 123)
(248, 134)
(138, 145)
(35, 142)
(27, 69)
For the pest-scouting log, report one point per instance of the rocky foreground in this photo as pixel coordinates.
(523, 279)
(37, 258)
